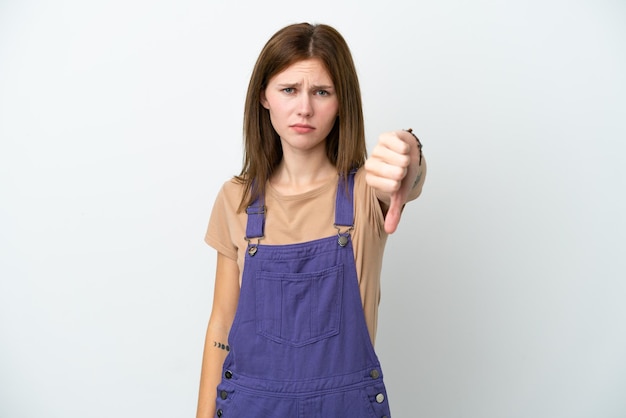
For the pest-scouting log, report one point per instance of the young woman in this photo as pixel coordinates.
(300, 235)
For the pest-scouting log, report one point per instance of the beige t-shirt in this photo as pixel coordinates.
(306, 217)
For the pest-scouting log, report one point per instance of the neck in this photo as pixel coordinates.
(300, 173)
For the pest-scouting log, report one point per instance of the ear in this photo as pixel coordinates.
(263, 100)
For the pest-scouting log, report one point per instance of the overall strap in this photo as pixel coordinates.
(256, 219)
(344, 209)
(344, 205)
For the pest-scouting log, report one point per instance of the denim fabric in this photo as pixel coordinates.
(299, 343)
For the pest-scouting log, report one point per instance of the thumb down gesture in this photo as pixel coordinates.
(396, 171)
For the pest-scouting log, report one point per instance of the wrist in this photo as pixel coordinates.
(419, 144)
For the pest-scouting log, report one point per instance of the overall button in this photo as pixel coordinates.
(223, 394)
(219, 412)
(380, 398)
(374, 374)
(228, 374)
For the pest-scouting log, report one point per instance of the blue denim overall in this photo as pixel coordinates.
(300, 347)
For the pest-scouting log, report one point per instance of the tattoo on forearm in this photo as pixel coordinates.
(222, 346)
(417, 180)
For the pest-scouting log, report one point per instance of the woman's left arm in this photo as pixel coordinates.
(396, 170)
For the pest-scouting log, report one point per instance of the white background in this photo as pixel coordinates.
(504, 292)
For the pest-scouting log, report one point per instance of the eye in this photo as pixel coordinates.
(288, 90)
(323, 93)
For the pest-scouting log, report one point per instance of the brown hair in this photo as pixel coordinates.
(345, 144)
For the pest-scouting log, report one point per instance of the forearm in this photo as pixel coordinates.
(418, 182)
(215, 351)
(225, 299)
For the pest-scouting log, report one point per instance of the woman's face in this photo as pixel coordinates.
(303, 105)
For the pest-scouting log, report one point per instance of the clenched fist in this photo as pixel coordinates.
(395, 170)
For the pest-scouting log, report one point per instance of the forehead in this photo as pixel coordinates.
(312, 69)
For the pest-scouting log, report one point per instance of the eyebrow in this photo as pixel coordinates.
(313, 87)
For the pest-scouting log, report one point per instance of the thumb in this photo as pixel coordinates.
(394, 212)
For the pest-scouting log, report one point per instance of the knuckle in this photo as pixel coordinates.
(396, 173)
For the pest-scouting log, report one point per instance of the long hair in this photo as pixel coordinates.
(345, 144)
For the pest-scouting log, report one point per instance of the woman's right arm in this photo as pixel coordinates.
(225, 299)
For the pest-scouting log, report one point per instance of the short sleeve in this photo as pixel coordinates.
(219, 231)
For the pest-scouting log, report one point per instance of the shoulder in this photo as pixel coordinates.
(226, 226)
(232, 187)
(226, 204)
(231, 192)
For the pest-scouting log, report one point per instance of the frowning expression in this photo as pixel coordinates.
(303, 104)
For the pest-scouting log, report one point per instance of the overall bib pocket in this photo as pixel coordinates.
(299, 308)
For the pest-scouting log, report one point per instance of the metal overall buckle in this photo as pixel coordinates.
(253, 248)
(342, 239)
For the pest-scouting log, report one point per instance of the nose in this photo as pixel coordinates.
(305, 107)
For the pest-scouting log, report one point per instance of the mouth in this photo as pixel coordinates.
(302, 128)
